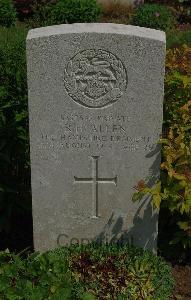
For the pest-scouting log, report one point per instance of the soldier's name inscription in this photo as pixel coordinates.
(98, 132)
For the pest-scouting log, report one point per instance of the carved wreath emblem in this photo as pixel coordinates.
(95, 78)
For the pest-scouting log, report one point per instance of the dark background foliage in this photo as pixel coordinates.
(67, 11)
(7, 13)
(15, 199)
(181, 7)
(24, 8)
(154, 16)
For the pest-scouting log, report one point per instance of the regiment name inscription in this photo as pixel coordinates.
(104, 132)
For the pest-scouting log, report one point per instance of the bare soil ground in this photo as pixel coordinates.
(182, 275)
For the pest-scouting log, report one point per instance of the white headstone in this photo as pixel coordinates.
(95, 106)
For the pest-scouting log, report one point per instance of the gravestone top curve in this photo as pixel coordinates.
(98, 28)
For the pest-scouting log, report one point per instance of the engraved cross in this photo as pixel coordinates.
(95, 180)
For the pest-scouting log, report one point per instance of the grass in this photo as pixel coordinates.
(178, 38)
(12, 36)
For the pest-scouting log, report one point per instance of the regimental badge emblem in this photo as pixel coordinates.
(95, 78)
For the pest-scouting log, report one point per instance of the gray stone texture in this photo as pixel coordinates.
(95, 106)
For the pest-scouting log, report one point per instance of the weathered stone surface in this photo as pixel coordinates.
(95, 105)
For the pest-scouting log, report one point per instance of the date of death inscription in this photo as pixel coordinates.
(75, 132)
